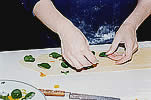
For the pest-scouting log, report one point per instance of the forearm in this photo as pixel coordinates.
(140, 13)
(45, 11)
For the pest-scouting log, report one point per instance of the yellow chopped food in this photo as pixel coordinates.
(23, 91)
(56, 86)
(42, 74)
(10, 98)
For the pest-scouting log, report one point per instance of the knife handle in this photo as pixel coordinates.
(52, 92)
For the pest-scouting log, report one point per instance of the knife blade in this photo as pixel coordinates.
(90, 97)
(75, 95)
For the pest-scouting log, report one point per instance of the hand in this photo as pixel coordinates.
(127, 36)
(75, 48)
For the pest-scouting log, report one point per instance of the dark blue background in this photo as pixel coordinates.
(97, 19)
(21, 30)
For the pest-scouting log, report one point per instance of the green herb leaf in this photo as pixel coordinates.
(44, 65)
(64, 65)
(29, 58)
(30, 95)
(4, 97)
(93, 52)
(102, 54)
(66, 72)
(55, 55)
(16, 94)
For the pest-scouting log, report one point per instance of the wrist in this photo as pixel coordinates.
(64, 26)
(130, 25)
(66, 29)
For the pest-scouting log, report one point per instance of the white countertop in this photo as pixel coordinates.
(116, 84)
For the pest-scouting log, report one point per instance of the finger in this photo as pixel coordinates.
(116, 56)
(135, 49)
(128, 54)
(75, 62)
(83, 61)
(128, 58)
(113, 47)
(90, 57)
(68, 60)
(123, 60)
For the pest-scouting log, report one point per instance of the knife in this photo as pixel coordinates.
(75, 95)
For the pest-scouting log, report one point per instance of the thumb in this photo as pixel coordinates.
(113, 47)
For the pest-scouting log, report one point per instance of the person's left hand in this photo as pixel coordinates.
(125, 35)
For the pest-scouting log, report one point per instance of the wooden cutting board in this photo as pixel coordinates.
(141, 60)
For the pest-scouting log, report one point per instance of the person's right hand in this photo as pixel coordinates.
(75, 48)
(126, 35)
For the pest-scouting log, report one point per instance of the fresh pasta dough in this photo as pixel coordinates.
(141, 60)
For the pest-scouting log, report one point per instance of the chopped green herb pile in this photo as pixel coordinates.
(29, 58)
(44, 65)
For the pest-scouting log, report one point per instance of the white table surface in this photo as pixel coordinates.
(117, 84)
